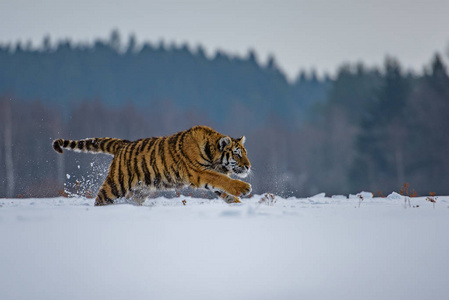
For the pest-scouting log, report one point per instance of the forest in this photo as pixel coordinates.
(365, 128)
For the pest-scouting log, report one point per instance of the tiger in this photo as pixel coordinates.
(199, 157)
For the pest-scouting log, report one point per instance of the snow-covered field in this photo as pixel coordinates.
(311, 248)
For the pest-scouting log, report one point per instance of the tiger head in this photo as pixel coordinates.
(233, 157)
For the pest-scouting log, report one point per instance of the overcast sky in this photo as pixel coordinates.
(320, 34)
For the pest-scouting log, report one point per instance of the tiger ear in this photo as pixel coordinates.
(242, 140)
(224, 141)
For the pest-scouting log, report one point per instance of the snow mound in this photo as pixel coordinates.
(364, 195)
(395, 196)
(320, 195)
(339, 197)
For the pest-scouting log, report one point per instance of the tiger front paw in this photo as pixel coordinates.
(242, 188)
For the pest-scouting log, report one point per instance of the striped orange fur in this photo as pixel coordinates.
(198, 157)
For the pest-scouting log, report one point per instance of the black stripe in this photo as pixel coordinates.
(157, 181)
(172, 148)
(207, 151)
(180, 140)
(73, 144)
(111, 174)
(121, 176)
(131, 168)
(189, 176)
(144, 145)
(146, 172)
(137, 169)
(116, 144)
(66, 143)
(149, 144)
(178, 177)
(81, 145)
(173, 140)
(150, 150)
(95, 144)
(153, 163)
(126, 173)
(113, 187)
(102, 144)
(108, 145)
(205, 159)
(100, 198)
(88, 145)
(103, 194)
(164, 162)
(175, 164)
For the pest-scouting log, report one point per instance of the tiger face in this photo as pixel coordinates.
(233, 157)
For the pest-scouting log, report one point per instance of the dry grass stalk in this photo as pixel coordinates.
(432, 198)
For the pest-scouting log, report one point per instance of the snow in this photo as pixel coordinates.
(320, 195)
(363, 195)
(312, 248)
(395, 196)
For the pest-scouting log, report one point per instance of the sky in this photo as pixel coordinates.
(302, 35)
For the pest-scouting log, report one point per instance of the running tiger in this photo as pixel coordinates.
(199, 157)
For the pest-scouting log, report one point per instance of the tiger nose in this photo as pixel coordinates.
(248, 168)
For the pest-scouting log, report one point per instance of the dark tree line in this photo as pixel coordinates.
(65, 73)
(366, 129)
(381, 128)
